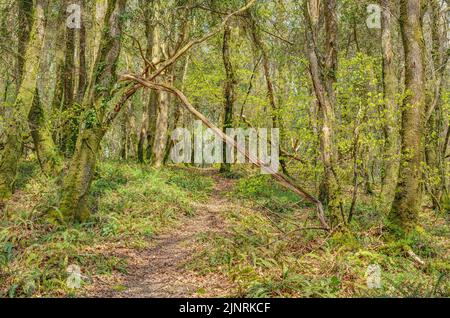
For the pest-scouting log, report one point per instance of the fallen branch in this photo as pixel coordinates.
(280, 178)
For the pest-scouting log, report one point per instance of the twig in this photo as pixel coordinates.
(141, 51)
(415, 257)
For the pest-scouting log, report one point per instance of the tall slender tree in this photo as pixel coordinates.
(229, 91)
(406, 205)
(323, 74)
(274, 109)
(391, 159)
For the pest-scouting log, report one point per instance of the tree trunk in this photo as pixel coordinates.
(46, 151)
(159, 129)
(153, 33)
(151, 117)
(143, 134)
(124, 146)
(229, 95)
(77, 182)
(434, 118)
(407, 200)
(68, 138)
(82, 68)
(323, 78)
(276, 121)
(25, 15)
(23, 103)
(391, 161)
(161, 132)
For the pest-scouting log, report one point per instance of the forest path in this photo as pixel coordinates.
(159, 270)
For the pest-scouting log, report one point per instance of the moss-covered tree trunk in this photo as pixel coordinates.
(78, 179)
(46, 151)
(17, 118)
(391, 160)
(82, 63)
(151, 126)
(229, 95)
(142, 136)
(25, 20)
(68, 138)
(406, 205)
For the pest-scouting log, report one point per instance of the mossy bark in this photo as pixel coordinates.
(8, 165)
(151, 130)
(78, 180)
(25, 16)
(229, 95)
(48, 156)
(158, 108)
(406, 205)
(435, 112)
(17, 120)
(68, 135)
(142, 136)
(82, 63)
(391, 160)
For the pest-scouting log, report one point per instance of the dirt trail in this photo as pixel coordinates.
(159, 270)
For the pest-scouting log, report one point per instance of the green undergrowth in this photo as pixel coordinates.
(129, 204)
(269, 252)
(264, 193)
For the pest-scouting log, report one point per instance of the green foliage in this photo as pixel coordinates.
(291, 283)
(264, 192)
(198, 186)
(265, 257)
(27, 170)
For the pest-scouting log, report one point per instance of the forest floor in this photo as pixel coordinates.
(160, 269)
(189, 232)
